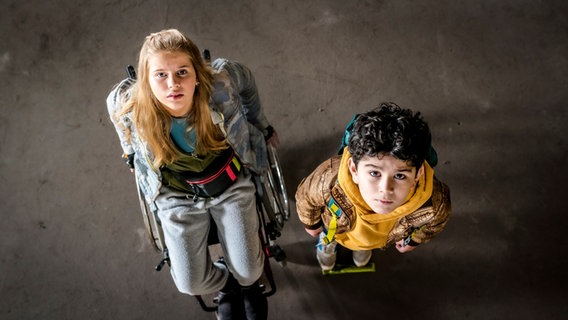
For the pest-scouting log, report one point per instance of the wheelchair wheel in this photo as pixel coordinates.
(274, 197)
(153, 227)
(276, 179)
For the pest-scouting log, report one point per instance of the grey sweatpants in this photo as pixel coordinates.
(186, 225)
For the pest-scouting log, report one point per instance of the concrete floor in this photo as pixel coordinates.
(489, 76)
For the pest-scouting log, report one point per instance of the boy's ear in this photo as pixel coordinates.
(353, 170)
(419, 173)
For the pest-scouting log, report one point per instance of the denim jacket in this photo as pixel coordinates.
(235, 107)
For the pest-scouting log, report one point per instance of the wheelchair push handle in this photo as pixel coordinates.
(131, 72)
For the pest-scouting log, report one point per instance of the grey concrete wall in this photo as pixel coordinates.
(488, 75)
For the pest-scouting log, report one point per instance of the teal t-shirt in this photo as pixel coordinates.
(184, 139)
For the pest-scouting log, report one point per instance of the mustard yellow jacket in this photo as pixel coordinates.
(314, 192)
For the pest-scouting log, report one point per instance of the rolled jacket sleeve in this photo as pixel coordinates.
(235, 96)
(115, 100)
(313, 193)
(247, 90)
(432, 221)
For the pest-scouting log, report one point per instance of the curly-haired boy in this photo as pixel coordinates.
(380, 191)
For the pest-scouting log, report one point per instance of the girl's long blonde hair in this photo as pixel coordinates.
(152, 120)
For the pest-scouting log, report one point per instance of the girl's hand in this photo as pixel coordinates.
(273, 140)
(129, 160)
(402, 248)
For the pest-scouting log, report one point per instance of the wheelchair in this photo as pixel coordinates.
(273, 211)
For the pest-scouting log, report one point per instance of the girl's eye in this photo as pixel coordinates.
(160, 75)
(182, 72)
(374, 174)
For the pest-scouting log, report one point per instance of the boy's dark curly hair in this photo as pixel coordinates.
(390, 130)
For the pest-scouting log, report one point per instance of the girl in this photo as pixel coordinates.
(183, 123)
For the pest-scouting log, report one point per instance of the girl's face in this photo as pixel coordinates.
(384, 181)
(173, 80)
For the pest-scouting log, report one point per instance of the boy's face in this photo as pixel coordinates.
(384, 181)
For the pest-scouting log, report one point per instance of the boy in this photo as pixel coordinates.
(379, 192)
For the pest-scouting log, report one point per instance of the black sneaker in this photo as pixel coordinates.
(230, 301)
(256, 306)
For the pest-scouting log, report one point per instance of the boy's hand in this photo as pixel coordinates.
(314, 232)
(402, 248)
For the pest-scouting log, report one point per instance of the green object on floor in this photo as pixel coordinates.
(343, 269)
